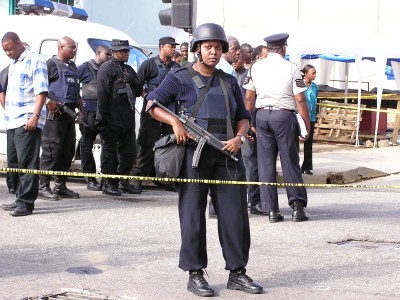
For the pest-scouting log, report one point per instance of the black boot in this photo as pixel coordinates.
(23, 209)
(61, 189)
(92, 184)
(238, 280)
(110, 189)
(198, 285)
(137, 185)
(125, 187)
(10, 206)
(45, 190)
(299, 214)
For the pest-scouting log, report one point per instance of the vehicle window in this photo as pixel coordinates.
(136, 57)
(48, 48)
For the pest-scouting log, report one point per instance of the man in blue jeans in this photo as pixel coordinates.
(25, 96)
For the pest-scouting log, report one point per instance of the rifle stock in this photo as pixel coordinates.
(201, 136)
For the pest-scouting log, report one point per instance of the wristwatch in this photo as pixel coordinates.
(242, 138)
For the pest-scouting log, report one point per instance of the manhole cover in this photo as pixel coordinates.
(84, 270)
(369, 245)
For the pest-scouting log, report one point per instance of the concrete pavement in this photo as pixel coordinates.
(127, 247)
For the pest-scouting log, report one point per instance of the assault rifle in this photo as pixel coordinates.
(200, 135)
(65, 109)
(128, 91)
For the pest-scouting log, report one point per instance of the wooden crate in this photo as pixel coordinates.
(336, 122)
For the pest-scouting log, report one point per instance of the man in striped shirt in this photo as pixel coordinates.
(25, 97)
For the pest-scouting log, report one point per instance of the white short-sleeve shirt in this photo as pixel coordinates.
(274, 81)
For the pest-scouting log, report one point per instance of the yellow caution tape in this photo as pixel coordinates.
(190, 180)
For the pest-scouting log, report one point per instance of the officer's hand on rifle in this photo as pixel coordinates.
(233, 145)
(52, 107)
(182, 135)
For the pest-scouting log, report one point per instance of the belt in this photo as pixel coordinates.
(277, 108)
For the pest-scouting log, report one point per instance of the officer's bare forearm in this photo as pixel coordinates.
(301, 104)
(161, 115)
(242, 127)
(249, 100)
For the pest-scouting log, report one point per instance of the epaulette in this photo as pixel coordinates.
(300, 83)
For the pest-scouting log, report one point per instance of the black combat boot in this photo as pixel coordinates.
(299, 214)
(137, 185)
(92, 184)
(110, 189)
(45, 190)
(125, 187)
(198, 285)
(61, 189)
(23, 209)
(238, 280)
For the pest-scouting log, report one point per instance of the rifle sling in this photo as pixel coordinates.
(229, 129)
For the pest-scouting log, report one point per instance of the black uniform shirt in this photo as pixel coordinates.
(114, 108)
(149, 69)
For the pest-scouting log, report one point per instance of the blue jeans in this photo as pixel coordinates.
(25, 145)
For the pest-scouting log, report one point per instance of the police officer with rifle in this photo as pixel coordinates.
(59, 136)
(214, 100)
(117, 89)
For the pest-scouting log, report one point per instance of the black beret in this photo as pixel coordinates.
(278, 39)
(167, 40)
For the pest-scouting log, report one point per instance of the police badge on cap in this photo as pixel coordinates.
(279, 39)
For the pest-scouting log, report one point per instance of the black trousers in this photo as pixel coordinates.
(307, 162)
(118, 150)
(88, 137)
(58, 144)
(230, 205)
(277, 131)
(12, 161)
(25, 145)
(150, 132)
(249, 153)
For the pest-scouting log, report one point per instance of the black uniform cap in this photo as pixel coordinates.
(278, 39)
(167, 40)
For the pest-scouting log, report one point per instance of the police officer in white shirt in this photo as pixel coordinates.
(279, 88)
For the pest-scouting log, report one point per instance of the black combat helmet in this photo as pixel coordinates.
(209, 32)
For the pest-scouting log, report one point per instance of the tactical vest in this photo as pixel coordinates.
(66, 87)
(89, 90)
(212, 114)
(162, 72)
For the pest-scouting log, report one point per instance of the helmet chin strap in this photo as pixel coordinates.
(200, 59)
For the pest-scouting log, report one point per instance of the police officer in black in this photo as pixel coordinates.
(59, 136)
(223, 113)
(88, 77)
(117, 89)
(151, 73)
